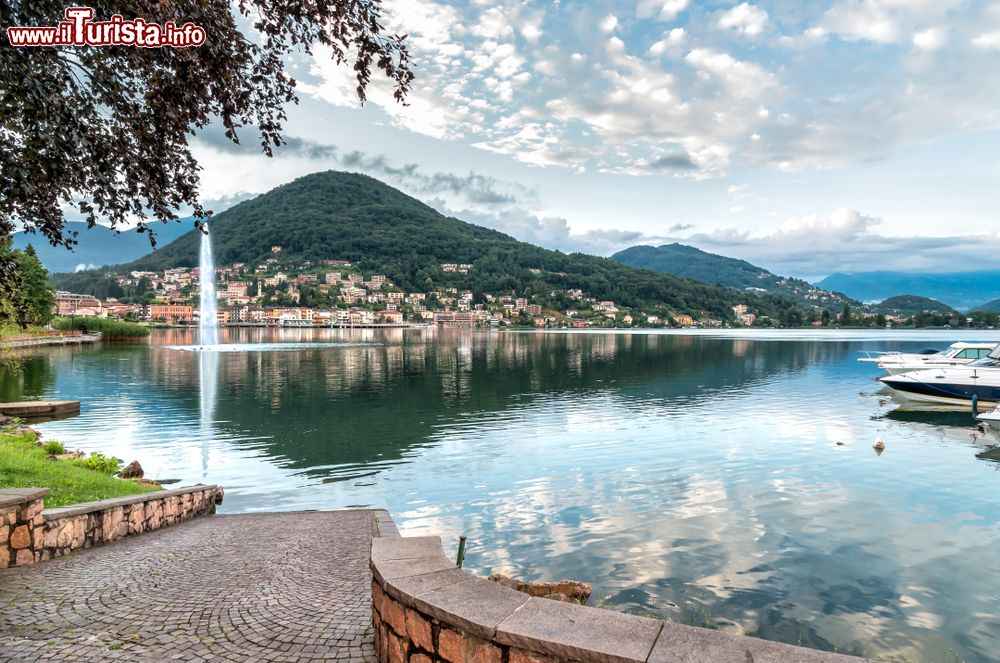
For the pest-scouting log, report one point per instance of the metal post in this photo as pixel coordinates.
(975, 406)
(461, 552)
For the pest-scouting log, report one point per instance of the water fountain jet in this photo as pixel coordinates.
(208, 328)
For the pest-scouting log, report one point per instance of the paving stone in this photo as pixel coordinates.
(575, 632)
(255, 587)
(684, 644)
(476, 606)
(404, 588)
(391, 548)
(413, 567)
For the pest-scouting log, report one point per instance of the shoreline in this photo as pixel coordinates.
(42, 339)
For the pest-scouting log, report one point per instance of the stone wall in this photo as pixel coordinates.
(30, 533)
(425, 610)
(22, 526)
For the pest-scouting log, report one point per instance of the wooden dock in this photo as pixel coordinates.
(48, 338)
(40, 409)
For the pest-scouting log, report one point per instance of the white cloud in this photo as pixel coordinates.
(494, 23)
(531, 32)
(553, 232)
(745, 79)
(861, 20)
(988, 40)
(743, 18)
(671, 40)
(930, 39)
(440, 111)
(883, 21)
(592, 92)
(845, 240)
(664, 10)
(427, 23)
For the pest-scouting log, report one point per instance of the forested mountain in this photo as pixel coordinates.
(687, 261)
(962, 290)
(911, 304)
(346, 216)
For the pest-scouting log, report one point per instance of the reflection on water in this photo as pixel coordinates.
(260, 347)
(720, 478)
(208, 375)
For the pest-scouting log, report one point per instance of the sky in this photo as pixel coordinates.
(807, 137)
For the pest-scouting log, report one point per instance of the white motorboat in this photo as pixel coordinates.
(953, 386)
(957, 354)
(992, 419)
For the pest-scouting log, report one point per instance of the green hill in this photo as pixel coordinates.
(992, 306)
(687, 261)
(912, 304)
(346, 216)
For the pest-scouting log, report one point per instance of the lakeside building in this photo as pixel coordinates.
(171, 313)
(68, 304)
(283, 291)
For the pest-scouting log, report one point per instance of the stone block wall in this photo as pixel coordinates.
(424, 610)
(55, 532)
(403, 635)
(21, 525)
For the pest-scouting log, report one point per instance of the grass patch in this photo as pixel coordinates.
(25, 465)
(54, 448)
(108, 327)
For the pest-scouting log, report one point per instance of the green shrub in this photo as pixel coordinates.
(108, 327)
(100, 463)
(54, 448)
(11, 425)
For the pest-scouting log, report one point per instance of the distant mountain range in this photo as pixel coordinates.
(910, 305)
(683, 260)
(962, 290)
(99, 245)
(992, 306)
(346, 216)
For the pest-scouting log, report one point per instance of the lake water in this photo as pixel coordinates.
(695, 477)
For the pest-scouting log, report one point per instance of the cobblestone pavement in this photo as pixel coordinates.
(254, 587)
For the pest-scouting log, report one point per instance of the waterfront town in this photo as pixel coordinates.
(334, 293)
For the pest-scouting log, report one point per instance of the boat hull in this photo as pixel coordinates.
(944, 393)
(992, 421)
(991, 418)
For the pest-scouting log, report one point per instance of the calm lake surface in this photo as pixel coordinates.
(695, 477)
